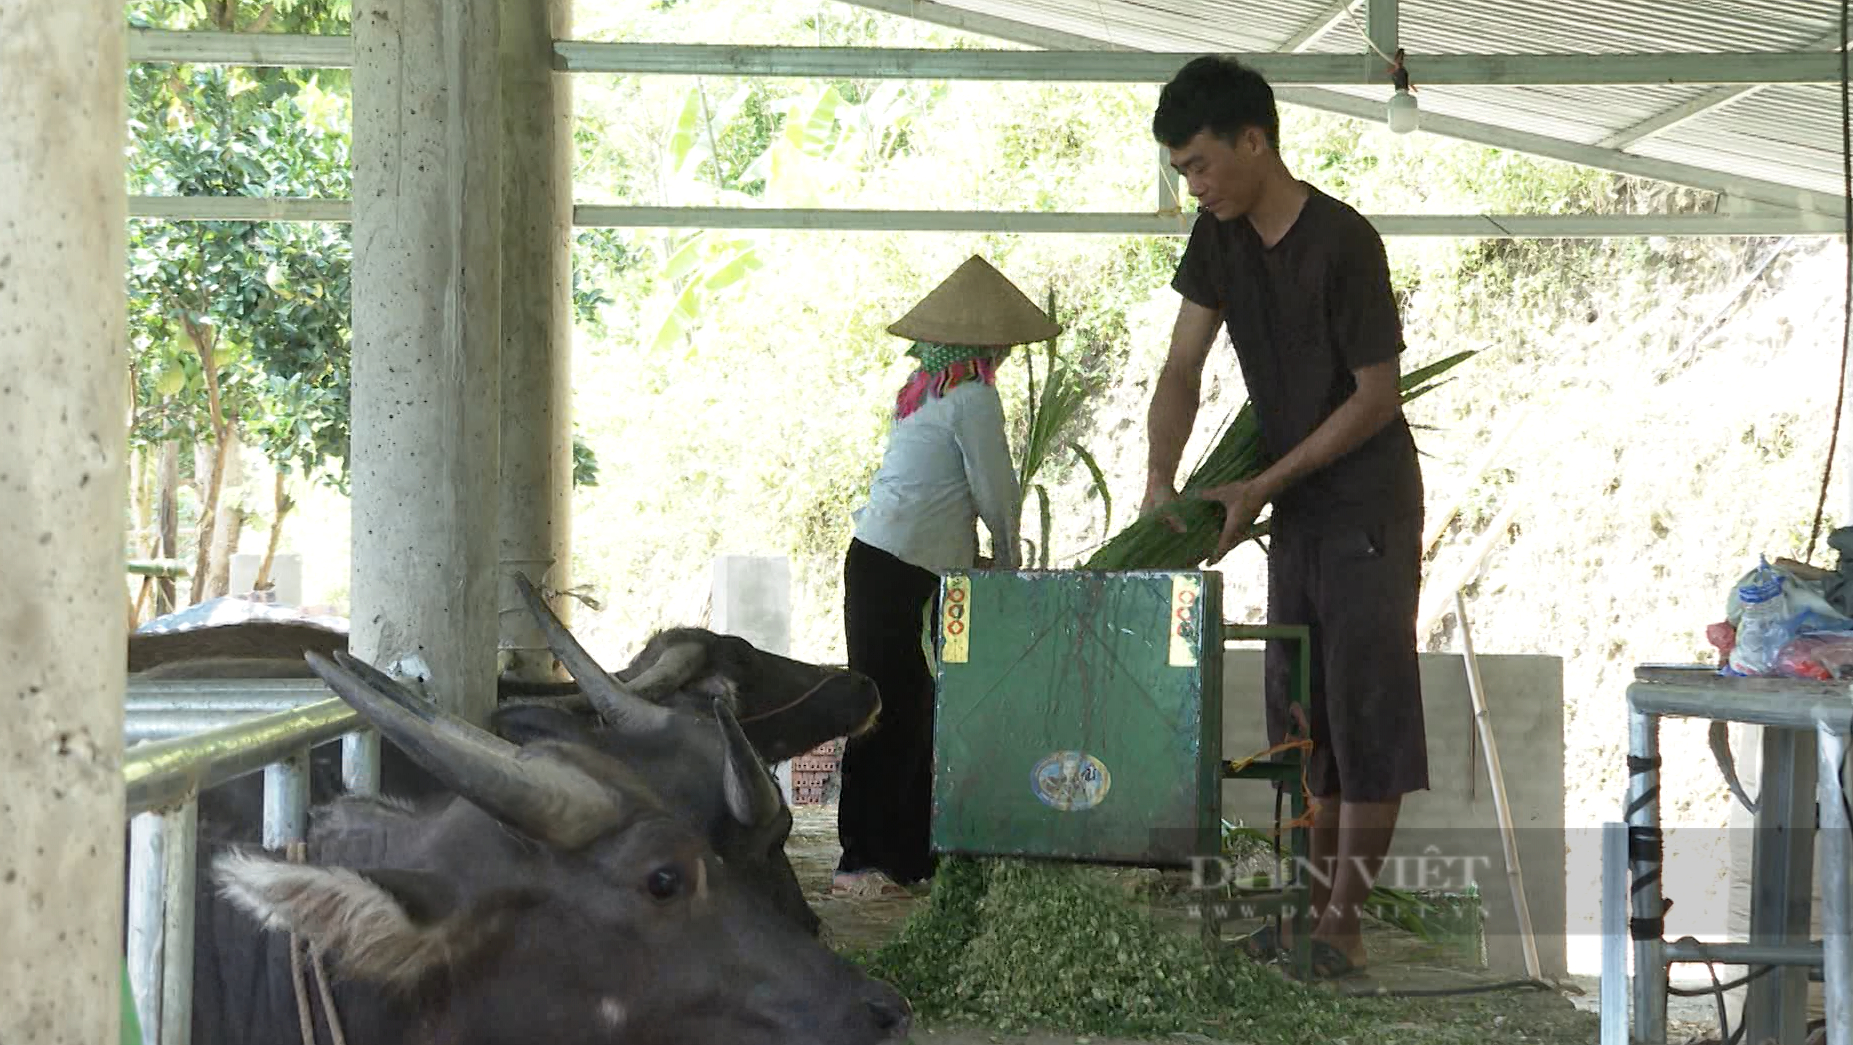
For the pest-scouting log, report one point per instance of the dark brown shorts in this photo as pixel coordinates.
(1357, 587)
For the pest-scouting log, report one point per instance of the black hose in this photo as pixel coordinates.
(1455, 992)
(1700, 992)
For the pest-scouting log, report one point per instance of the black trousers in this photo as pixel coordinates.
(885, 808)
(1357, 587)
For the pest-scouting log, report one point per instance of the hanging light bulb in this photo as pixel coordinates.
(1405, 116)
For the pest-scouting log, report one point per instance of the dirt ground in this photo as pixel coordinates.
(1399, 961)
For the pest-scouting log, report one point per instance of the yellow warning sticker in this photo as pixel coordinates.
(1186, 591)
(956, 620)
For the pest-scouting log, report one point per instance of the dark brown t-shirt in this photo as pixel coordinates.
(1304, 314)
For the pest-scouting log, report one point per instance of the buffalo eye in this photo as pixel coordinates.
(664, 883)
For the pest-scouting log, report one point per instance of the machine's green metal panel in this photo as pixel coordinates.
(1079, 715)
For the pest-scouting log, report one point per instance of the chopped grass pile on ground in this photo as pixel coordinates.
(1014, 945)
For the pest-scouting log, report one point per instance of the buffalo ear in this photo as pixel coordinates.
(676, 664)
(394, 928)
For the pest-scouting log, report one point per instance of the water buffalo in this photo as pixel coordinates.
(715, 781)
(675, 747)
(786, 706)
(558, 897)
(712, 779)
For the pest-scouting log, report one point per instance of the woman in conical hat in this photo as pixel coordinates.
(947, 465)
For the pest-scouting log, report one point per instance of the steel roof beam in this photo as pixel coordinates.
(1478, 226)
(1328, 20)
(1052, 66)
(992, 26)
(1383, 26)
(1501, 226)
(1282, 70)
(280, 50)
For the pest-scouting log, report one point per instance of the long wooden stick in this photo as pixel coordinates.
(1502, 808)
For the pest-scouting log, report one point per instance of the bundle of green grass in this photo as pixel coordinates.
(1148, 544)
(1015, 945)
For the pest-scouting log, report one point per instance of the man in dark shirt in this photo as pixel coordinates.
(1303, 285)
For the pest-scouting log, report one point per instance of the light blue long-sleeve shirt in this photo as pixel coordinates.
(947, 464)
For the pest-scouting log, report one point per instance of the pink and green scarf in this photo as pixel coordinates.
(943, 368)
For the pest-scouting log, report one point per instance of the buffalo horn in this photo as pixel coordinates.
(620, 708)
(674, 668)
(545, 798)
(752, 796)
(386, 686)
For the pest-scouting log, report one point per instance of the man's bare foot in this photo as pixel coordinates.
(1352, 947)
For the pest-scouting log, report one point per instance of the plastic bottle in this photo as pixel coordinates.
(1762, 631)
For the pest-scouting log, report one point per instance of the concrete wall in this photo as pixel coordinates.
(1525, 706)
(63, 414)
(752, 599)
(285, 576)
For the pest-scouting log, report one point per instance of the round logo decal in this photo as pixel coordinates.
(1070, 781)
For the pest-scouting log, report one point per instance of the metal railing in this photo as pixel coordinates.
(197, 735)
(168, 708)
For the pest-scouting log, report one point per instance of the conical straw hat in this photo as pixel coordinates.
(976, 305)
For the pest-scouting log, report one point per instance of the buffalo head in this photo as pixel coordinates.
(559, 898)
(786, 707)
(712, 777)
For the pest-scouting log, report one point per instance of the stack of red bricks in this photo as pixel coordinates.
(811, 773)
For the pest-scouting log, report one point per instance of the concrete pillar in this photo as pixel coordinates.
(63, 494)
(537, 332)
(427, 343)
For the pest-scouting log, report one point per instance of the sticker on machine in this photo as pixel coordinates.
(1070, 781)
(955, 625)
(1186, 592)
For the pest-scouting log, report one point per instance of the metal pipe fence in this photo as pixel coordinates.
(197, 735)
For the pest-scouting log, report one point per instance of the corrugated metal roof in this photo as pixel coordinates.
(1789, 134)
(1785, 134)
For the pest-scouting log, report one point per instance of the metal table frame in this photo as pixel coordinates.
(1803, 715)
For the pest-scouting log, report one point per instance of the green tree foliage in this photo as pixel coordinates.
(268, 303)
(238, 330)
